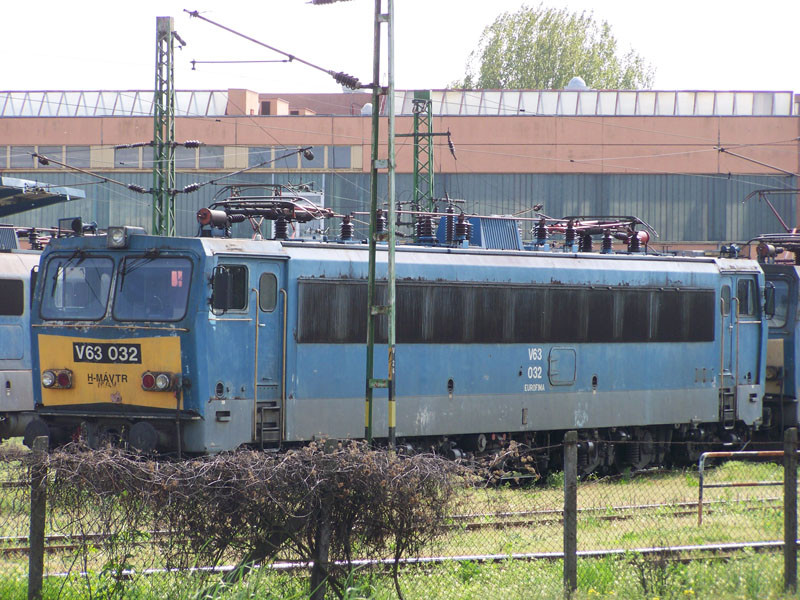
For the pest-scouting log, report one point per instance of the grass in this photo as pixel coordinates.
(606, 521)
(748, 576)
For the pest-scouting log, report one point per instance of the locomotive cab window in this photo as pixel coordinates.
(267, 292)
(152, 288)
(776, 318)
(76, 288)
(229, 288)
(12, 298)
(746, 295)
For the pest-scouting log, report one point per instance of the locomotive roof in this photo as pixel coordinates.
(18, 262)
(332, 251)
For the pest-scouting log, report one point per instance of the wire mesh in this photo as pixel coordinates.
(14, 519)
(639, 535)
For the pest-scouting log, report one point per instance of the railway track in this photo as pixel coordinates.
(506, 519)
(11, 545)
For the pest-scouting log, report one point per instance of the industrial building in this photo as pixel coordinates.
(687, 162)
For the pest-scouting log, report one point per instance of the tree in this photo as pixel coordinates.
(543, 48)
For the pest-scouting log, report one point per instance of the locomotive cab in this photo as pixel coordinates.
(781, 400)
(107, 325)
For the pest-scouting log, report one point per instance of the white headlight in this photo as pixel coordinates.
(48, 379)
(162, 381)
(116, 237)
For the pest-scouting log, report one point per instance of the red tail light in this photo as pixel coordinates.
(64, 379)
(148, 381)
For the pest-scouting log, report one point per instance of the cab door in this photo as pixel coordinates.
(270, 312)
(748, 348)
(748, 329)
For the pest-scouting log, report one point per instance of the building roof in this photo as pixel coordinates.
(214, 103)
(19, 195)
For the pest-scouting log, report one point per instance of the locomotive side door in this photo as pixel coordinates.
(270, 318)
(749, 348)
(740, 354)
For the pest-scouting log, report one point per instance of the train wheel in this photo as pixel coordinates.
(36, 428)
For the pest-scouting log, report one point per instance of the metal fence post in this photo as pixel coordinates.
(38, 508)
(570, 512)
(790, 509)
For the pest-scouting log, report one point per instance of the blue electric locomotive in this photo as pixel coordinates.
(16, 391)
(206, 344)
(783, 369)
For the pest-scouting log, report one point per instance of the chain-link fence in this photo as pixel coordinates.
(628, 534)
(717, 527)
(14, 520)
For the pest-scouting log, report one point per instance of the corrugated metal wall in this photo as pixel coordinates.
(682, 208)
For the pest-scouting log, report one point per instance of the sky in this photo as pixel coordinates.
(93, 45)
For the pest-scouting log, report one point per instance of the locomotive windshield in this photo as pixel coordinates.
(76, 288)
(152, 289)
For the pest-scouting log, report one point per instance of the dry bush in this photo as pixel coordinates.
(319, 503)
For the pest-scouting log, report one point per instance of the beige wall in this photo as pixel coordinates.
(514, 144)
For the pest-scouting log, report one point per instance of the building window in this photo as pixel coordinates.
(265, 107)
(185, 158)
(3, 156)
(339, 157)
(285, 162)
(78, 156)
(54, 152)
(258, 155)
(22, 157)
(212, 157)
(318, 162)
(126, 158)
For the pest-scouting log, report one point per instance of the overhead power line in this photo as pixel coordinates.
(340, 76)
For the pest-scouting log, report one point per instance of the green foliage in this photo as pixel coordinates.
(468, 570)
(555, 480)
(543, 48)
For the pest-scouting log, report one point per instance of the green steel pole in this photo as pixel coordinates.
(376, 72)
(164, 131)
(392, 219)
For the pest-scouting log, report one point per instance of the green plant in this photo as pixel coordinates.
(468, 570)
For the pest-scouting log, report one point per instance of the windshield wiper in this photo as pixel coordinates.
(131, 264)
